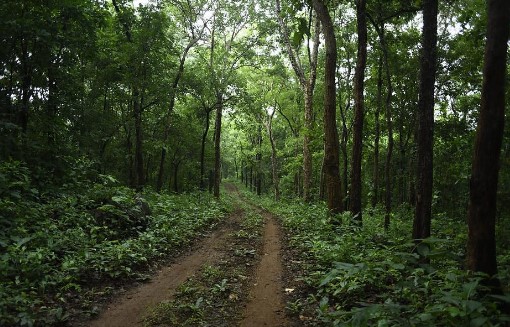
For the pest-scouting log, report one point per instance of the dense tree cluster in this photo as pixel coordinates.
(357, 103)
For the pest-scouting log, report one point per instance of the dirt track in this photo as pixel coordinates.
(265, 305)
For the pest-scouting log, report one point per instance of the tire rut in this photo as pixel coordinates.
(129, 309)
(266, 305)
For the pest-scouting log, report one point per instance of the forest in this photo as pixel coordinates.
(365, 136)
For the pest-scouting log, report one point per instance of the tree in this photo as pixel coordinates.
(359, 76)
(481, 246)
(189, 16)
(331, 144)
(307, 84)
(428, 63)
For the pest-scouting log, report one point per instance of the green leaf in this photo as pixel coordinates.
(423, 249)
(477, 322)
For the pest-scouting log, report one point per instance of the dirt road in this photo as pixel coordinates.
(263, 305)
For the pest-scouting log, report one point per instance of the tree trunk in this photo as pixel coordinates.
(345, 160)
(202, 149)
(176, 175)
(428, 63)
(274, 157)
(331, 144)
(173, 91)
(307, 155)
(308, 86)
(481, 246)
(258, 159)
(26, 83)
(375, 191)
(137, 111)
(217, 145)
(359, 77)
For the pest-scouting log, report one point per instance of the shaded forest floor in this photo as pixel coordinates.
(233, 276)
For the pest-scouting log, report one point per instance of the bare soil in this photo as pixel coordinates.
(265, 305)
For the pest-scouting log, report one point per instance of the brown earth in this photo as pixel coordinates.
(265, 306)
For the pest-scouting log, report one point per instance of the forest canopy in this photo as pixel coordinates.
(387, 113)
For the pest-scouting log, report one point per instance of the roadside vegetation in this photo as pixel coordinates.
(60, 248)
(366, 276)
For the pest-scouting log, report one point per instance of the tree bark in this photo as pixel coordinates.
(481, 246)
(331, 144)
(202, 148)
(375, 191)
(137, 111)
(307, 86)
(274, 157)
(387, 170)
(173, 91)
(217, 145)
(428, 63)
(258, 159)
(359, 77)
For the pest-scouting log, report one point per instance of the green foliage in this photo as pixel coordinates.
(54, 247)
(364, 276)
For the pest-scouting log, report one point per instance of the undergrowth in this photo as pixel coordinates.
(58, 248)
(366, 276)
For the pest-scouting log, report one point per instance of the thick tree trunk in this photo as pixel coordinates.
(423, 210)
(481, 246)
(359, 77)
(217, 145)
(331, 144)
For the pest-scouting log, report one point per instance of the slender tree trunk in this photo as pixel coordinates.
(331, 145)
(375, 191)
(202, 149)
(388, 171)
(258, 159)
(481, 246)
(26, 82)
(176, 175)
(274, 157)
(137, 111)
(345, 160)
(359, 77)
(307, 154)
(308, 86)
(421, 225)
(173, 91)
(217, 145)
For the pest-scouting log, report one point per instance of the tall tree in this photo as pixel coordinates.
(331, 144)
(359, 77)
(481, 246)
(307, 84)
(189, 15)
(274, 154)
(428, 63)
